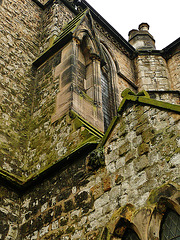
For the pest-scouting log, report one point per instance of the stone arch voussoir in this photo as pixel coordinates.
(166, 196)
(145, 221)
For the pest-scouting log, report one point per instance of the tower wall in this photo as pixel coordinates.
(54, 18)
(152, 73)
(174, 66)
(19, 46)
(28, 31)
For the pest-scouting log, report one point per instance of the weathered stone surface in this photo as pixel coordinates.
(9, 214)
(80, 197)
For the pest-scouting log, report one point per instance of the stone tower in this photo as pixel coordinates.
(89, 140)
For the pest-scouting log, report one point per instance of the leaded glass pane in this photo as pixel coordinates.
(130, 235)
(170, 229)
(105, 100)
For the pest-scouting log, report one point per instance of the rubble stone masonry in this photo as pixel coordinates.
(76, 203)
(61, 176)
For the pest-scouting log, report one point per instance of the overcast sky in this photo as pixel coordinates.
(163, 16)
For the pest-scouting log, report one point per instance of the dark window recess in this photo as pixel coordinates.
(130, 235)
(170, 228)
(106, 101)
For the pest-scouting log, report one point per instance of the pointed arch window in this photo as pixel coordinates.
(96, 76)
(170, 228)
(106, 103)
(125, 230)
(108, 88)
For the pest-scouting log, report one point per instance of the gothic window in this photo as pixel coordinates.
(105, 99)
(170, 228)
(107, 88)
(96, 76)
(130, 235)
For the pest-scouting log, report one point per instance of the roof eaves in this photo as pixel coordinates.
(172, 45)
(51, 51)
(64, 37)
(167, 51)
(21, 185)
(72, 25)
(99, 19)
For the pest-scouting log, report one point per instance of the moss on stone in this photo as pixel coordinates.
(143, 97)
(143, 148)
(76, 124)
(124, 148)
(166, 190)
(109, 130)
(138, 100)
(87, 125)
(161, 104)
(96, 159)
(148, 134)
(70, 230)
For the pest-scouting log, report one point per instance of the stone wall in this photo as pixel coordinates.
(62, 192)
(9, 214)
(19, 46)
(54, 18)
(141, 154)
(174, 66)
(152, 73)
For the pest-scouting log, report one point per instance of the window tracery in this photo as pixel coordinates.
(107, 82)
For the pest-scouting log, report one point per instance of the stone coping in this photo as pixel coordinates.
(21, 185)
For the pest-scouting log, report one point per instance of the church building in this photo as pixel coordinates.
(89, 127)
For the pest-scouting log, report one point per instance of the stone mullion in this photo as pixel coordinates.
(97, 81)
